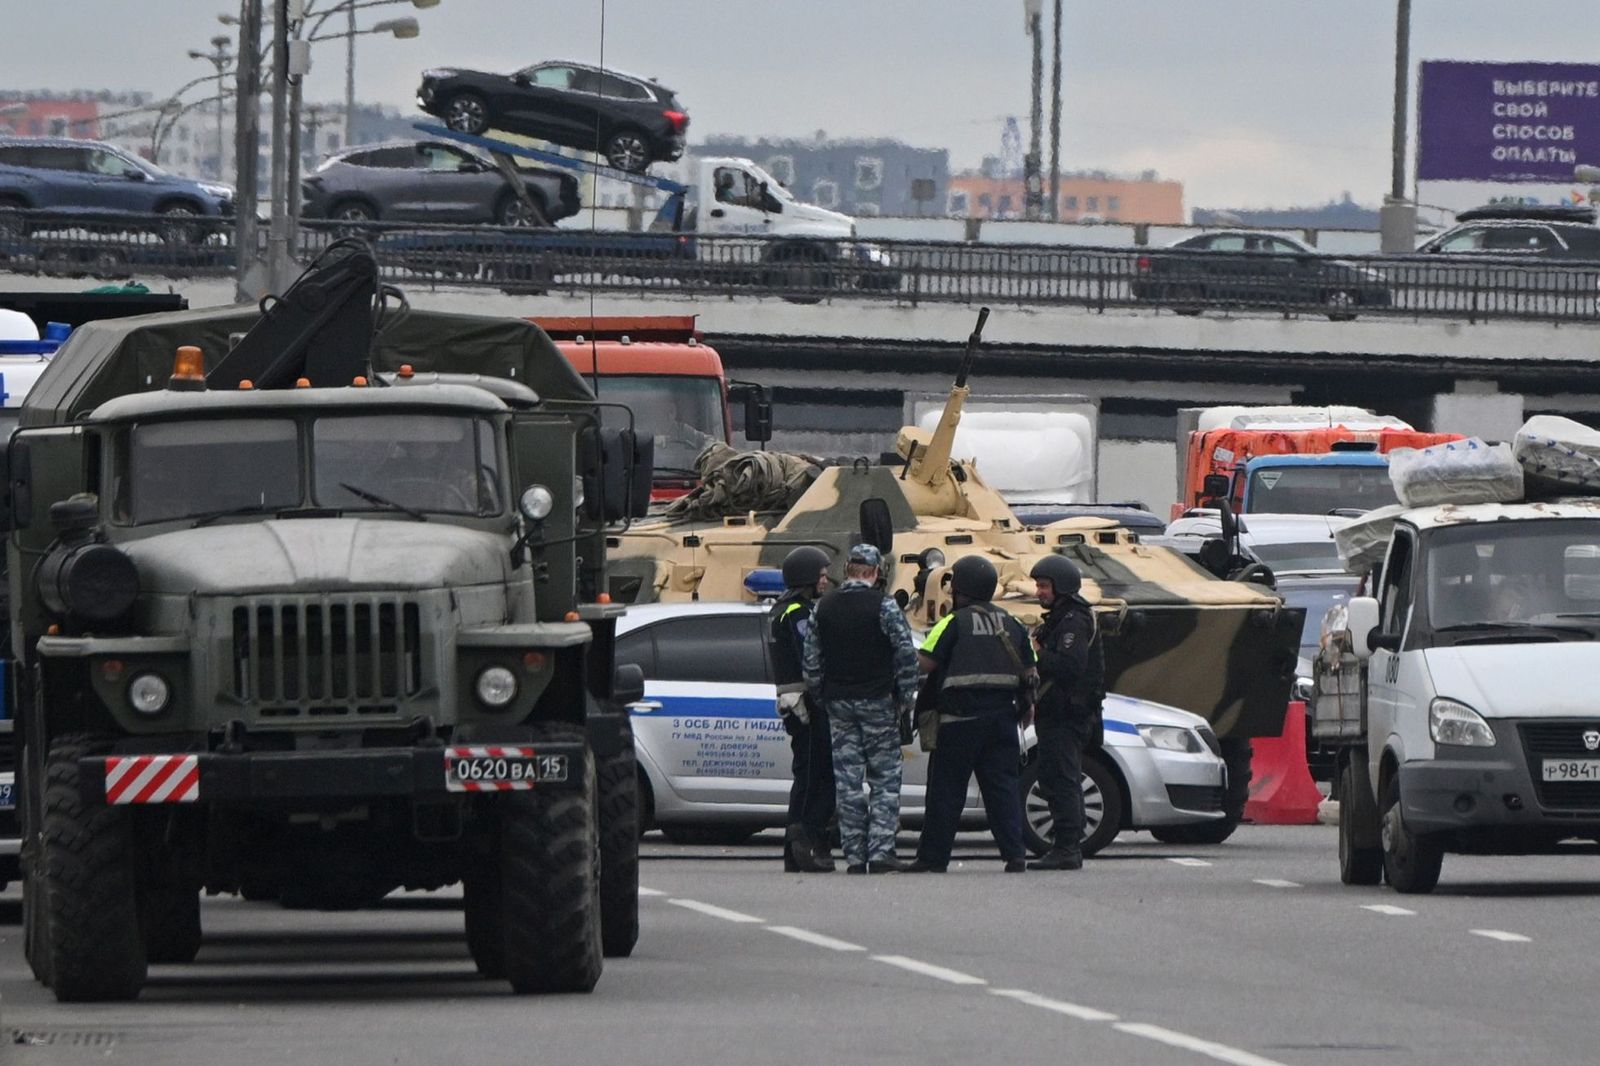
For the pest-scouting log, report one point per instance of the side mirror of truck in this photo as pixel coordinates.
(1361, 619)
(757, 410)
(616, 474)
(628, 684)
(1214, 486)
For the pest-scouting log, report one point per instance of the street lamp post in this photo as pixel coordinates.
(221, 59)
(1397, 220)
(401, 28)
(1033, 194)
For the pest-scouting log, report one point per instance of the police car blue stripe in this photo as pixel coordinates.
(718, 706)
(1114, 726)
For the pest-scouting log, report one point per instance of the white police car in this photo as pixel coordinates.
(714, 758)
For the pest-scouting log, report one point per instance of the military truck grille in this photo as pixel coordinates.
(1558, 740)
(327, 658)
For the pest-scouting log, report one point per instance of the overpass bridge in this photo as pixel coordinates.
(842, 368)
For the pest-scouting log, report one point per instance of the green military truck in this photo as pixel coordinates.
(316, 613)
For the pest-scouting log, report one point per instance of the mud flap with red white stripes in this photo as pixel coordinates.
(152, 779)
(498, 768)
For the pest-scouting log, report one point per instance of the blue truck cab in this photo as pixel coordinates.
(1315, 484)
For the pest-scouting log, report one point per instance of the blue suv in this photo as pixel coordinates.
(83, 178)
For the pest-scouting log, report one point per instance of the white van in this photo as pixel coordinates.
(1462, 691)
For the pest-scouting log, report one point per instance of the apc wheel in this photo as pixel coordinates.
(1359, 864)
(170, 921)
(619, 853)
(91, 884)
(628, 150)
(1411, 861)
(467, 113)
(550, 878)
(1102, 808)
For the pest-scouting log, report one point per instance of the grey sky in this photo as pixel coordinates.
(1248, 102)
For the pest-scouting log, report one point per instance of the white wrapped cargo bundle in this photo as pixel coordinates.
(1362, 543)
(1559, 457)
(1461, 471)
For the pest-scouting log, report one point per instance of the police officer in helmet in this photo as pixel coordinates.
(811, 800)
(1067, 712)
(861, 660)
(983, 667)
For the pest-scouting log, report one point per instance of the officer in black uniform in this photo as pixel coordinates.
(982, 663)
(1067, 712)
(811, 802)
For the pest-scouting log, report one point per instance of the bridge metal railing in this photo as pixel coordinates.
(904, 272)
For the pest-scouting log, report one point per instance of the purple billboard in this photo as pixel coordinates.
(1506, 121)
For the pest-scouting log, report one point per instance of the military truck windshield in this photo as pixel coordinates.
(682, 414)
(1318, 489)
(171, 470)
(435, 463)
(1539, 573)
(439, 464)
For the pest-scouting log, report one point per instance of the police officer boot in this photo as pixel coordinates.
(821, 856)
(795, 843)
(1058, 859)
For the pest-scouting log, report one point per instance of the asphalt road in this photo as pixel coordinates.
(1247, 953)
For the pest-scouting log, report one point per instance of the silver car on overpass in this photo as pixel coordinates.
(714, 758)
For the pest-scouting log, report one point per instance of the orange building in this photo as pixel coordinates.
(1083, 199)
(50, 116)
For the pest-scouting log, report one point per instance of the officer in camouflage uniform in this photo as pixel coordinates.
(860, 660)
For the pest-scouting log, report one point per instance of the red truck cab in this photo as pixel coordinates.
(659, 366)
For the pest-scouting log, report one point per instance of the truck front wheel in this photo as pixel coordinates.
(1411, 861)
(550, 880)
(1360, 863)
(91, 886)
(619, 853)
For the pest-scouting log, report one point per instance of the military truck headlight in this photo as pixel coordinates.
(1450, 722)
(537, 503)
(149, 693)
(496, 686)
(577, 494)
(1171, 738)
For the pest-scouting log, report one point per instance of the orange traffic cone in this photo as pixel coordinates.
(1281, 789)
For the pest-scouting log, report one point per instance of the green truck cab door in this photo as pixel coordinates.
(543, 454)
(45, 466)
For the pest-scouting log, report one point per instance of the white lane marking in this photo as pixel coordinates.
(807, 936)
(1278, 882)
(1501, 934)
(717, 912)
(650, 891)
(1220, 1052)
(1189, 862)
(927, 969)
(1071, 1010)
(1385, 908)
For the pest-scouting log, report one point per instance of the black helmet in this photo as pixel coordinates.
(974, 577)
(1061, 573)
(804, 567)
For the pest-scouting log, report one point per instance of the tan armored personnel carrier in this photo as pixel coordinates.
(1175, 633)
